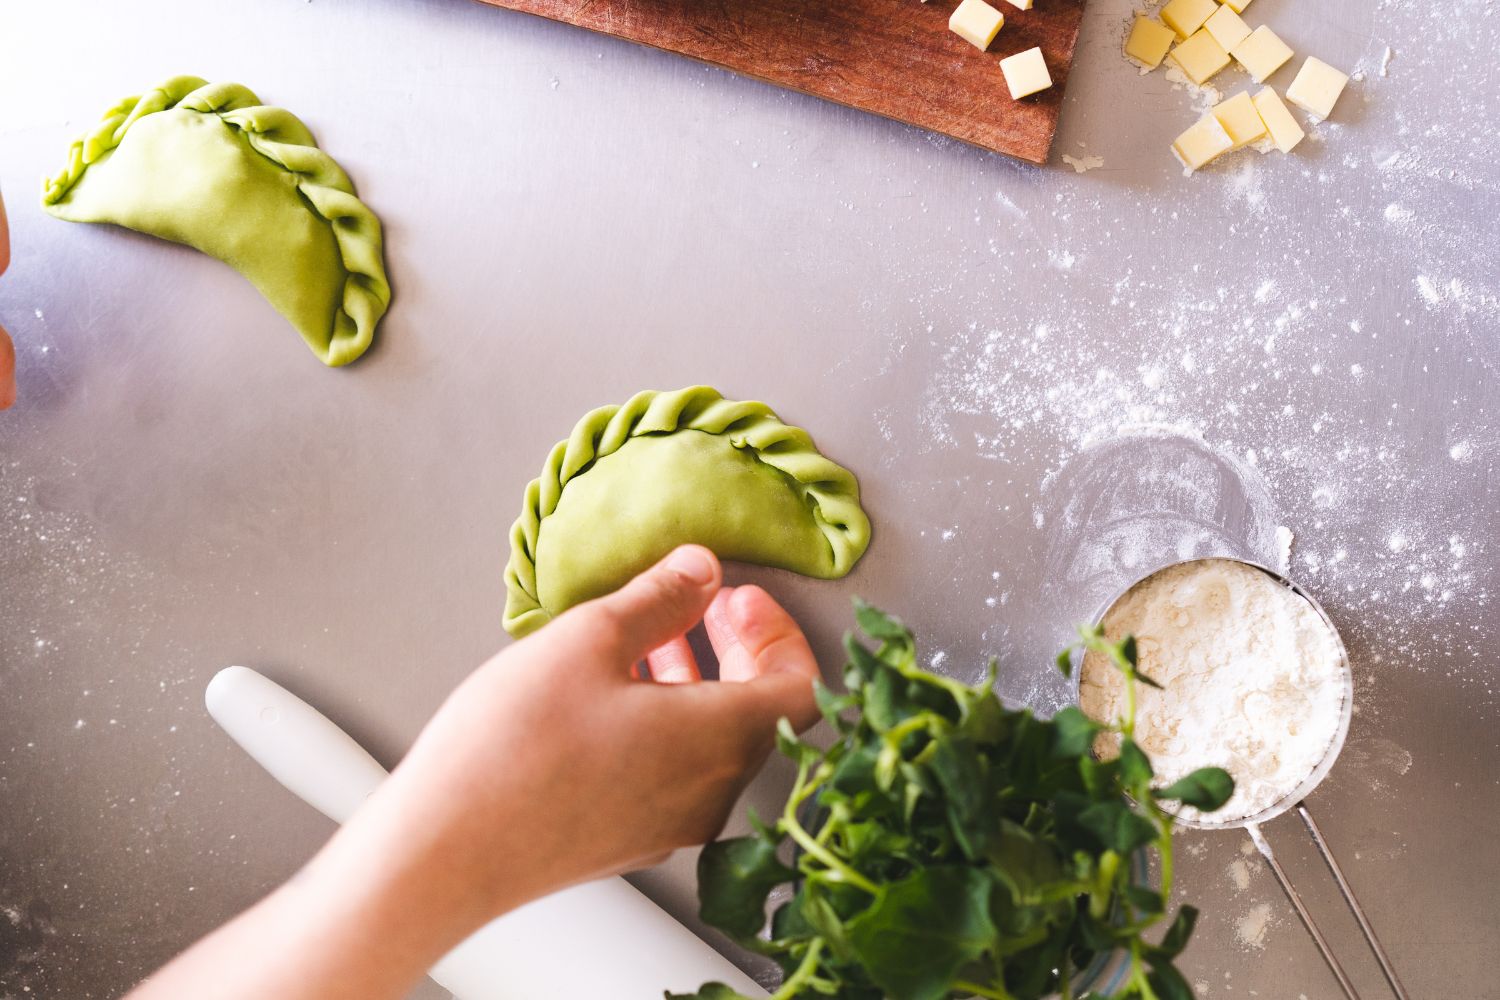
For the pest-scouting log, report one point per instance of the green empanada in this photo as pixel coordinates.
(667, 468)
(208, 165)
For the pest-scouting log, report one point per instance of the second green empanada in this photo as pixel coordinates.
(635, 481)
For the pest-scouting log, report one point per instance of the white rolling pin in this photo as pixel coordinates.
(630, 948)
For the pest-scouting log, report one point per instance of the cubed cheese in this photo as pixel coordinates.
(1026, 73)
(1227, 27)
(976, 22)
(1201, 143)
(1200, 57)
(1317, 86)
(1148, 42)
(1240, 119)
(1238, 6)
(1187, 16)
(1021, 4)
(1261, 53)
(1282, 127)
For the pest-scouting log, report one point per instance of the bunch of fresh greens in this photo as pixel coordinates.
(960, 848)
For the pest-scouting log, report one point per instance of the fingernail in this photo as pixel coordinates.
(692, 564)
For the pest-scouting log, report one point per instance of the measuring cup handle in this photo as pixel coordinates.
(1352, 901)
(1264, 846)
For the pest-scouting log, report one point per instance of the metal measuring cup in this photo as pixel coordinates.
(1296, 799)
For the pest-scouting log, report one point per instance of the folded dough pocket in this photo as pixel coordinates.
(209, 166)
(635, 481)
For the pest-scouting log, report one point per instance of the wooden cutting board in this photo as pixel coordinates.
(891, 57)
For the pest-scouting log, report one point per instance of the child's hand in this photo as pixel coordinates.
(554, 763)
(7, 350)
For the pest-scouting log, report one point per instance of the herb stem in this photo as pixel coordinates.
(805, 971)
(1138, 973)
(902, 730)
(815, 848)
(830, 860)
(1164, 851)
(997, 993)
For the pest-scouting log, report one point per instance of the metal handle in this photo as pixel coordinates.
(1264, 846)
(1350, 900)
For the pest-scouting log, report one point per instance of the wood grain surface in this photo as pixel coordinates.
(891, 57)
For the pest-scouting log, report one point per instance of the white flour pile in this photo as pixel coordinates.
(1250, 674)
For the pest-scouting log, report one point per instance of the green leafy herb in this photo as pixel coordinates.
(1207, 789)
(946, 846)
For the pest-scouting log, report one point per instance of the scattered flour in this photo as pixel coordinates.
(1284, 539)
(1251, 928)
(1083, 164)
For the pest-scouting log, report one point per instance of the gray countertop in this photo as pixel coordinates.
(1048, 382)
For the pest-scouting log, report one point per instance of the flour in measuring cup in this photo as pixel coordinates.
(1252, 679)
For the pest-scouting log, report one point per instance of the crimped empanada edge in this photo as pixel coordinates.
(834, 491)
(281, 137)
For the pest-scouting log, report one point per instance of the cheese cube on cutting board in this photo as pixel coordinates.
(1148, 42)
(1202, 143)
(1282, 127)
(1238, 6)
(1200, 57)
(1261, 53)
(1187, 16)
(1026, 73)
(1316, 88)
(1021, 4)
(976, 22)
(1227, 27)
(1239, 119)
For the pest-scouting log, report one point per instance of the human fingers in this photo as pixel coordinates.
(746, 714)
(674, 663)
(767, 651)
(7, 349)
(765, 639)
(659, 605)
(7, 370)
(721, 633)
(4, 239)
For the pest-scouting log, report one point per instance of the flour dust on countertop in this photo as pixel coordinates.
(91, 694)
(1304, 320)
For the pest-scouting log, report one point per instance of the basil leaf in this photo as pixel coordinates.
(877, 624)
(734, 878)
(1177, 935)
(709, 991)
(1135, 766)
(1148, 681)
(831, 705)
(790, 744)
(1146, 900)
(1168, 982)
(1207, 789)
(1072, 732)
(1118, 827)
(920, 931)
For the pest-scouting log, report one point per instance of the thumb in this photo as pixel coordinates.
(656, 607)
